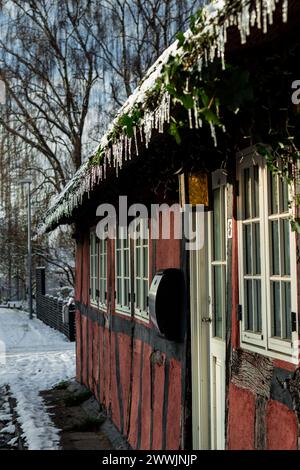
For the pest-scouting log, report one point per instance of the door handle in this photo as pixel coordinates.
(206, 320)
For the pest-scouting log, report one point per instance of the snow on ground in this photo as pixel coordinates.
(33, 357)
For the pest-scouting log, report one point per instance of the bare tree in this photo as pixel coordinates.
(67, 66)
(48, 63)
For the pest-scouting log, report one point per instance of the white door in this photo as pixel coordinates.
(208, 307)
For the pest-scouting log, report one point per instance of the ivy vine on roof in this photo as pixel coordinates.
(186, 87)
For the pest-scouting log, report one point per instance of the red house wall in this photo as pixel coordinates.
(134, 374)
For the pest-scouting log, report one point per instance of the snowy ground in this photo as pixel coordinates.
(33, 357)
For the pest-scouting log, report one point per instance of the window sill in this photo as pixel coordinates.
(144, 316)
(291, 357)
(123, 311)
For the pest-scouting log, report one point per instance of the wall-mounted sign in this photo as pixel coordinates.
(194, 188)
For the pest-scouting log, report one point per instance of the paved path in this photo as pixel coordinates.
(33, 357)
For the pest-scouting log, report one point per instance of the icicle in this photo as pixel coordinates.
(148, 126)
(285, 7)
(253, 18)
(196, 113)
(213, 133)
(135, 141)
(265, 20)
(190, 119)
(258, 13)
(141, 134)
(129, 147)
(187, 86)
(125, 147)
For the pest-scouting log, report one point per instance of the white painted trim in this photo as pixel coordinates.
(138, 313)
(119, 308)
(217, 346)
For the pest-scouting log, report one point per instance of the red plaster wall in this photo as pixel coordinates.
(84, 350)
(135, 394)
(125, 372)
(78, 345)
(114, 386)
(167, 254)
(101, 365)
(241, 419)
(146, 398)
(158, 399)
(95, 360)
(174, 405)
(90, 355)
(107, 368)
(282, 427)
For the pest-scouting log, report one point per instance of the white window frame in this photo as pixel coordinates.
(219, 182)
(132, 308)
(139, 281)
(102, 272)
(121, 307)
(94, 268)
(264, 343)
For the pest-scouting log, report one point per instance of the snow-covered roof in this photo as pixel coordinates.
(218, 16)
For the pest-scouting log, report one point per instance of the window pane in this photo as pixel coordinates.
(257, 305)
(275, 289)
(249, 306)
(286, 290)
(138, 293)
(118, 263)
(217, 217)
(138, 262)
(248, 249)
(119, 291)
(126, 263)
(126, 292)
(275, 248)
(145, 295)
(284, 196)
(218, 300)
(125, 242)
(247, 193)
(274, 193)
(286, 247)
(257, 267)
(145, 261)
(255, 192)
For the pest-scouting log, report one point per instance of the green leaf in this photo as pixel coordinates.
(181, 38)
(126, 123)
(210, 116)
(173, 130)
(295, 225)
(173, 92)
(187, 101)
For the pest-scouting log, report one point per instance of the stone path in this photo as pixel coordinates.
(82, 424)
